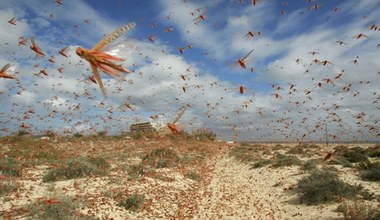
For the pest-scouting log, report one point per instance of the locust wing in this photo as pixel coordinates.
(114, 35)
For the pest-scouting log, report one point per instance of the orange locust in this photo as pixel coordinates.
(63, 52)
(200, 18)
(4, 74)
(22, 41)
(36, 49)
(173, 128)
(241, 61)
(12, 21)
(100, 59)
(360, 36)
(254, 2)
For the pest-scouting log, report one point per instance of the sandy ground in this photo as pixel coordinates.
(229, 189)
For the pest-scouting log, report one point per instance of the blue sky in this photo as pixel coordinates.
(267, 110)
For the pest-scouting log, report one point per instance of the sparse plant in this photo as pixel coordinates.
(9, 167)
(369, 171)
(61, 208)
(204, 134)
(324, 186)
(78, 135)
(22, 132)
(355, 155)
(133, 203)
(296, 150)
(261, 163)
(373, 151)
(136, 171)
(161, 158)
(6, 187)
(246, 152)
(193, 175)
(358, 211)
(284, 160)
(309, 165)
(102, 133)
(50, 133)
(76, 168)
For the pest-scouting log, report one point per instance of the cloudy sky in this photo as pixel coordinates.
(315, 64)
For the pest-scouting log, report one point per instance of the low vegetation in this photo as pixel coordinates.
(133, 203)
(6, 187)
(323, 186)
(358, 211)
(193, 175)
(77, 167)
(284, 160)
(161, 158)
(246, 152)
(9, 167)
(369, 171)
(55, 208)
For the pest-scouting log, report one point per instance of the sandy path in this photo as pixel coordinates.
(234, 192)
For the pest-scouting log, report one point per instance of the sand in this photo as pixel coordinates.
(228, 188)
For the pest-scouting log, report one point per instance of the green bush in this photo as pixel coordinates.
(358, 211)
(76, 168)
(324, 186)
(133, 203)
(9, 167)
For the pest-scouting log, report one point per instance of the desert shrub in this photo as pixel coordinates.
(296, 150)
(373, 151)
(161, 158)
(369, 171)
(340, 148)
(6, 187)
(76, 168)
(284, 160)
(261, 163)
(9, 167)
(50, 133)
(78, 135)
(246, 152)
(133, 203)
(22, 132)
(61, 209)
(193, 175)
(340, 160)
(204, 134)
(324, 186)
(280, 147)
(355, 155)
(309, 165)
(136, 171)
(358, 211)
